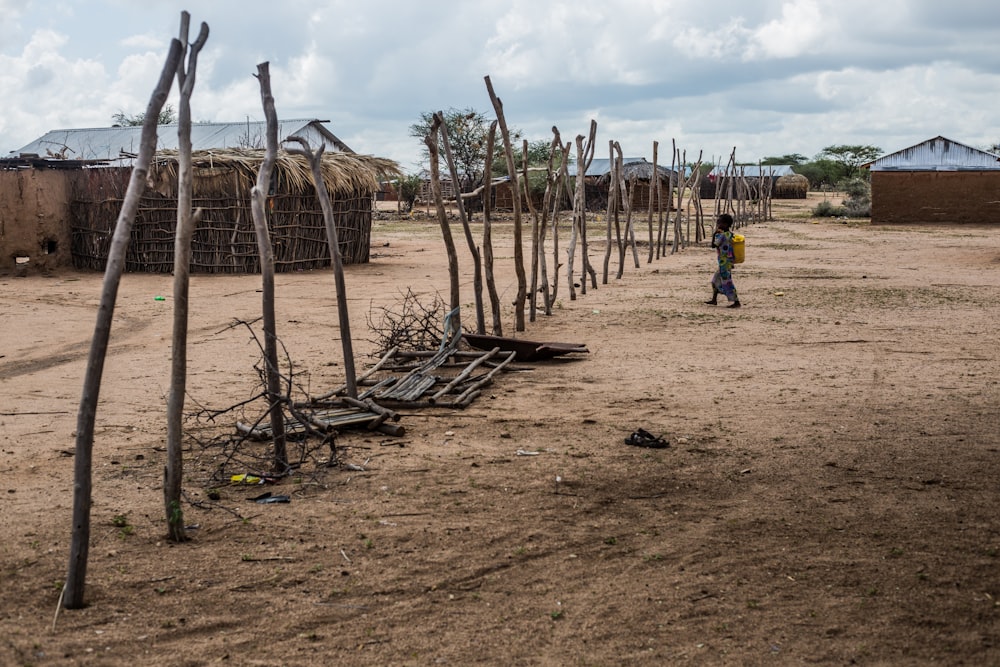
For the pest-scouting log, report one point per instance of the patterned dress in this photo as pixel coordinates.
(723, 278)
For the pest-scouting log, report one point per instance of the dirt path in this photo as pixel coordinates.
(829, 495)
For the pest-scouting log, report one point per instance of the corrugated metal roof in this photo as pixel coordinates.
(110, 143)
(937, 154)
(754, 171)
(602, 166)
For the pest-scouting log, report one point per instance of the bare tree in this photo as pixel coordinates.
(73, 591)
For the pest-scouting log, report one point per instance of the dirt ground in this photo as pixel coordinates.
(829, 495)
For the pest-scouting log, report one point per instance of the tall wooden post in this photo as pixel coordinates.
(73, 591)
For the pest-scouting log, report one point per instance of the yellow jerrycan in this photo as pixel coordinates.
(739, 248)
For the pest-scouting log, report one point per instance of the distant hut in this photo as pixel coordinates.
(641, 185)
(938, 180)
(597, 182)
(503, 196)
(225, 241)
(791, 186)
(748, 181)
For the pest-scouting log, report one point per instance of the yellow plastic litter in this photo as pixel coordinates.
(245, 479)
(779, 294)
(739, 248)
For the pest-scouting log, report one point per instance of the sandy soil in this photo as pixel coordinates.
(829, 495)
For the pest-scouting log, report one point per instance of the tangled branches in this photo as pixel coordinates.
(409, 325)
(245, 451)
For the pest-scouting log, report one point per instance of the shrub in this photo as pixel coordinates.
(859, 198)
(826, 209)
(409, 188)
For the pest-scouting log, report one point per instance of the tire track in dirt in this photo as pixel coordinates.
(74, 352)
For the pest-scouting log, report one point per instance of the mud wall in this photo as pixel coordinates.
(34, 220)
(936, 197)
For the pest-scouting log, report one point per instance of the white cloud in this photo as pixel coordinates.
(771, 77)
(722, 43)
(799, 30)
(146, 41)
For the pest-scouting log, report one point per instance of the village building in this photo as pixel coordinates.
(777, 181)
(61, 194)
(639, 182)
(938, 180)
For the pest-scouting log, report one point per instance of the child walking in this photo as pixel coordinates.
(722, 281)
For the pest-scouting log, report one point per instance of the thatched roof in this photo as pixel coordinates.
(344, 173)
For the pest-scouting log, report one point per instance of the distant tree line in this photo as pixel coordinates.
(833, 167)
(836, 167)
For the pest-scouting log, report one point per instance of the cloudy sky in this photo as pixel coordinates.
(767, 77)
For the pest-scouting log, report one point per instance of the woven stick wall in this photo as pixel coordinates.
(224, 241)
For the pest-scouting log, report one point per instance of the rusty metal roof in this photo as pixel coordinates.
(112, 143)
(937, 154)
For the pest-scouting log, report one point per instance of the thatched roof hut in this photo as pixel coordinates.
(791, 186)
(225, 241)
(638, 177)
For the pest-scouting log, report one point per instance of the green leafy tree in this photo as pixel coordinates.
(168, 116)
(538, 156)
(467, 133)
(822, 174)
(791, 159)
(850, 157)
(409, 189)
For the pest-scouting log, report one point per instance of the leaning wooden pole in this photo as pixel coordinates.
(508, 150)
(258, 198)
(186, 221)
(316, 166)
(455, 301)
(73, 591)
(477, 262)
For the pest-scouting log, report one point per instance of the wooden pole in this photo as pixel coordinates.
(73, 590)
(258, 197)
(518, 245)
(532, 292)
(477, 264)
(587, 268)
(557, 205)
(316, 166)
(491, 283)
(186, 221)
(455, 320)
(611, 210)
(551, 179)
(654, 189)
